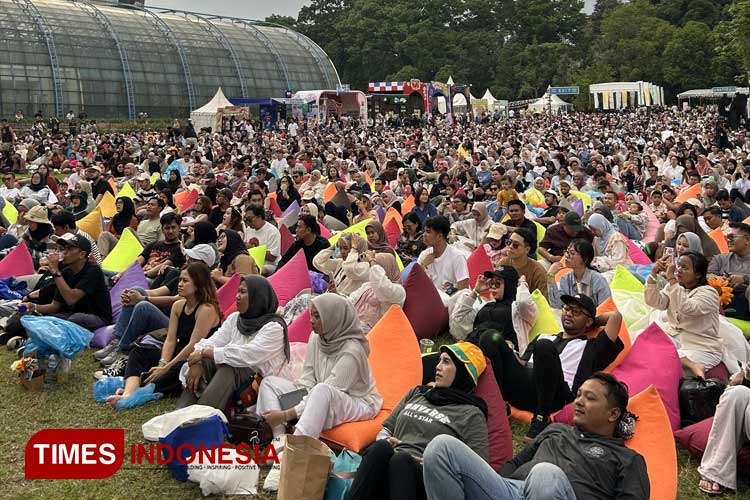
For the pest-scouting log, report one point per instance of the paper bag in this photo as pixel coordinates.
(304, 469)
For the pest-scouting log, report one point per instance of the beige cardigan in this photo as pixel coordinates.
(693, 316)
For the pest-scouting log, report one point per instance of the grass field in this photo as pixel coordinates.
(71, 405)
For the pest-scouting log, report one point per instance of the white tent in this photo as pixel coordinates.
(450, 81)
(206, 116)
(543, 104)
(489, 97)
(619, 95)
(708, 93)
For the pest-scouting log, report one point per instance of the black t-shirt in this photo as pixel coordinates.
(211, 192)
(216, 216)
(101, 187)
(91, 281)
(159, 251)
(311, 251)
(598, 353)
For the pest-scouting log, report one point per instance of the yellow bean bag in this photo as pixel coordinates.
(546, 321)
(125, 252)
(91, 224)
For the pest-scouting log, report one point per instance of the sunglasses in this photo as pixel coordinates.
(514, 244)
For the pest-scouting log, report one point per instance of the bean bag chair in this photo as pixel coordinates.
(721, 241)
(653, 225)
(407, 205)
(498, 425)
(652, 439)
(107, 205)
(742, 324)
(259, 255)
(324, 232)
(186, 201)
(132, 277)
(124, 254)
(341, 199)
(17, 262)
(274, 207)
(227, 295)
(290, 220)
(652, 348)
(291, 279)
(577, 206)
(381, 213)
(329, 192)
(10, 213)
(584, 197)
(291, 208)
(540, 232)
(694, 439)
(394, 377)
(691, 192)
(637, 255)
(91, 224)
(301, 328)
(392, 213)
(127, 191)
(399, 263)
(406, 270)
(624, 280)
(358, 228)
(478, 262)
(546, 320)
(112, 183)
(392, 232)
(423, 306)
(102, 336)
(287, 239)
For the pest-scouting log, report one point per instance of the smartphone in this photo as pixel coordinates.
(669, 251)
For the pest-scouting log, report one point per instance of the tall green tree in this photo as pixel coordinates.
(688, 57)
(740, 32)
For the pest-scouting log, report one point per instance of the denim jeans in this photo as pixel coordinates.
(452, 471)
(138, 320)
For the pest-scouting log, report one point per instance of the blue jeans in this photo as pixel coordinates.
(8, 241)
(138, 320)
(452, 471)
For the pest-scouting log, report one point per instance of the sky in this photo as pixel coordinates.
(250, 9)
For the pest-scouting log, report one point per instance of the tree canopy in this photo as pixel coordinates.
(518, 48)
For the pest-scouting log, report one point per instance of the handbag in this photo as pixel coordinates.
(342, 475)
(699, 398)
(249, 428)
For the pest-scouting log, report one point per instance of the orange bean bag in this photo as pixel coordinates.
(396, 365)
(407, 205)
(392, 213)
(721, 241)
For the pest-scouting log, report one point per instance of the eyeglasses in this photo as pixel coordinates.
(573, 311)
(732, 237)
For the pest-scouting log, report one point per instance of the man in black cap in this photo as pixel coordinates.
(558, 237)
(81, 296)
(213, 186)
(223, 201)
(553, 367)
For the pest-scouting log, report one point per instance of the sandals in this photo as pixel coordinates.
(713, 488)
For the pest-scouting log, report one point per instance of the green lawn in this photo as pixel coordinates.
(71, 405)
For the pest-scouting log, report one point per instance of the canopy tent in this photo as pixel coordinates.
(709, 93)
(461, 103)
(495, 104)
(620, 95)
(542, 105)
(325, 102)
(210, 114)
(450, 81)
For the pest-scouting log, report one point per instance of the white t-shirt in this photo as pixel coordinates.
(267, 235)
(292, 129)
(448, 268)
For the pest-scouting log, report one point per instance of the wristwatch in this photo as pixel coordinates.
(57, 274)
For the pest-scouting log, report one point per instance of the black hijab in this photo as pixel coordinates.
(235, 247)
(459, 393)
(262, 305)
(121, 220)
(38, 186)
(176, 184)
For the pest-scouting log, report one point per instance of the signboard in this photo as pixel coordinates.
(563, 90)
(724, 90)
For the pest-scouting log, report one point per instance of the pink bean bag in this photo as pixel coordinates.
(498, 425)
(478, 262)
(18, 262)
(291, 279)
(301, 328)
(227, 295)
(637, 255)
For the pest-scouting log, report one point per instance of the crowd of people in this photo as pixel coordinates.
(539, 195)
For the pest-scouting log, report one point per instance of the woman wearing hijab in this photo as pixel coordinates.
(175, 181)
(390, 199)
(235, 259)
(475, 228)
(687, 242)
(611, 246)
(79, 202)
(381, 290)
(336, 375)
(49, 179)
(391, 467)
(689, 224)
(85, 187)
(377, 239)
(124, 218)
(347, 270)
(36, 189)
(252, 341)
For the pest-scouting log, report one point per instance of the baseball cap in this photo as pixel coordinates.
(497, 231)
(94, 167)
(553, 193)
(37, 214)
(309, 195)
(202, 252)
(73, 240)
(504, 273)
(573, 220)
(581, 300)
(563, 181)
(143, 177)
(470, 356)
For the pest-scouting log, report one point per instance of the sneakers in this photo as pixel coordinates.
(274, 475)
(538, 424)
(107, 349)
(20, 348)
(116, 369)
(111, 357)
(15, 342)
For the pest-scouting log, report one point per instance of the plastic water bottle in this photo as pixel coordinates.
(51, 376)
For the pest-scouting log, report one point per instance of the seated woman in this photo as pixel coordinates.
(692, 309)
(37, 236)
(729, 431)
(687, 242)
(475, 228)
(347, 271)
(689, 223)
(410, 243)
(287, 193)
(611, 246)
(391, 467)
(124, 218)
(377, 239)
(36, 189)
(381, 290)
(422, 205)
(252, 341)
(493, 243)
(336, 375)
(366, 210)
(15, 231)
(235, 259)
(194, 317)
(79, 204)
(582, 279)
(232, 220)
